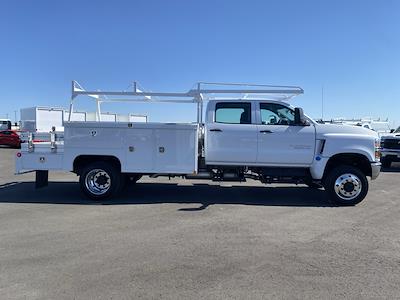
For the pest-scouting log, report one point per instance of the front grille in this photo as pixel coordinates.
(390, 143)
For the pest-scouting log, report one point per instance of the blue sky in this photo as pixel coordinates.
(352, 48)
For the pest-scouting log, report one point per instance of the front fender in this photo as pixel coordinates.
(342, 144)
(349, 143)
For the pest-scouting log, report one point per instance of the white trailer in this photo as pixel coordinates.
(250, 131)
(43, 119)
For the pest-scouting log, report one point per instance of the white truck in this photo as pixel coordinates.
(250, 131)
(5, 124)
(379, 125)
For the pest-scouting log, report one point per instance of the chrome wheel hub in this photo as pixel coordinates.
(348, 186)
(98, 181)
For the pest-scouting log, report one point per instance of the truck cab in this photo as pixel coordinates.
(259, 133)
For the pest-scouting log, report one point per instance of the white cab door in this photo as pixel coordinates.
(232, 138)
(280, 142)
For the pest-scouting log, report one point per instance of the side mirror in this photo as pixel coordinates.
(391, 130)
(299, 118)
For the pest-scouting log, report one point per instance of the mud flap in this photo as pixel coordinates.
(42, 179)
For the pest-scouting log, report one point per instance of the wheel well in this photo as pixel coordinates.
(351, 159)
(83, 160)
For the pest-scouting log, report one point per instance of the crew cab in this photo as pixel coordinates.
(261, 138)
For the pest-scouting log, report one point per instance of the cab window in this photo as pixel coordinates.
(233, 113)
(276, 114)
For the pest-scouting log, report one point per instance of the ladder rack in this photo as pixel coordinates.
(203, 91)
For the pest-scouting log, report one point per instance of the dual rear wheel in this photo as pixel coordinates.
(101, 180)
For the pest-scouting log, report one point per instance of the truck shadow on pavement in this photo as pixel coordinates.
(158, 193)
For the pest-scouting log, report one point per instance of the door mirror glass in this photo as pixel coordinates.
(299, 117)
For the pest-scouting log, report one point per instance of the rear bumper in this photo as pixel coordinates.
(375, 169)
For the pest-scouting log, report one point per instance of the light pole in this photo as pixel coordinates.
(322, 102)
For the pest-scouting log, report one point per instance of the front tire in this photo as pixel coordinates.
(346, 185)
(100, 180)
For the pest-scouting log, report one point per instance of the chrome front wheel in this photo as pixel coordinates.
(348, 186)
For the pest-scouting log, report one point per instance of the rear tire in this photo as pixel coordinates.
(100, 180)
(346, 185)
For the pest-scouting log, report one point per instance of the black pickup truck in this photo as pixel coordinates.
(390, 148)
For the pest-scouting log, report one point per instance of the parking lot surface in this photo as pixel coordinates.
(195, 239)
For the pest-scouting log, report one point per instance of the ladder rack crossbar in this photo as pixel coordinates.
(190, 94)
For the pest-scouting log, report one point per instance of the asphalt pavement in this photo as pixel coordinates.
(183, 239)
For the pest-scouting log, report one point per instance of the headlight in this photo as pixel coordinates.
(377, 149)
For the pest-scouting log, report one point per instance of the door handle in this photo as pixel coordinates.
(265, 131)
(216, 129)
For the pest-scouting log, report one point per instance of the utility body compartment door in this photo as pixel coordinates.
(280, 141)
(162, 148)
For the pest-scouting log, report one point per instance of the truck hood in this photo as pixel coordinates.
(337, 129)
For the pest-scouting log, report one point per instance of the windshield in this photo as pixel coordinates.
(397, 130)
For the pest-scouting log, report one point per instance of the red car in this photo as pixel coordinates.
(10, 138)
